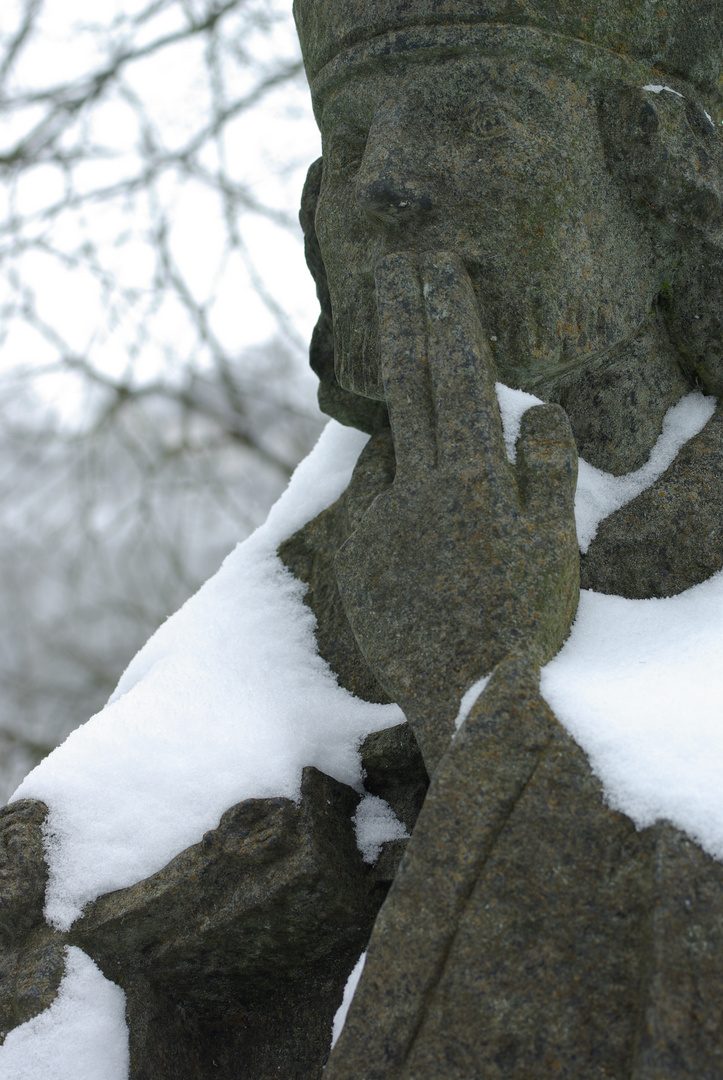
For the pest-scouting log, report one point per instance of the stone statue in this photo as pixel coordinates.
(515, 192)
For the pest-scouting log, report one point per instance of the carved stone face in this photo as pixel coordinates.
(502, 163)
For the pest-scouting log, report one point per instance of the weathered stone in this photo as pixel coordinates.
(394, 770)
(348, 408)
(310, 553)
(682, 37)
(32, 957)
(29, 977)
(238, 950)
(214, 911)
(500, 143)
(23, 872)
(388, 861)
(671, 536)
(501, 161)
(667, 153)
(501, 573)
(286, 1032)
(470, 798)
(530, 930)
(681, 1030)
(618, 439)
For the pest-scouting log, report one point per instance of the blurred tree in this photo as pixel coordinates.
(154, 392)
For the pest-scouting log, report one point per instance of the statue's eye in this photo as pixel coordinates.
(343, 157)
(487, 124)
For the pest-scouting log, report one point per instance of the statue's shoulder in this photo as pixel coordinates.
(671, 536)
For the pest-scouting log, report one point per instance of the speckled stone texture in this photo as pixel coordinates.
(671, 536)
(32, 957)
(463, 559)
(238, 950)
(680, 37)
(235, 954)
(564, 227)
(310, 553)
(533, 932)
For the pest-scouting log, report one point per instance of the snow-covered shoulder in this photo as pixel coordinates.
(639, 683)
(229, 700)
(639, 686)
(600, 494)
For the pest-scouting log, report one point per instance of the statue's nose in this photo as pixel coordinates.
(389, 194)
(393, 182)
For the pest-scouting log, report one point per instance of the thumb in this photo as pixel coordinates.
(547, 463)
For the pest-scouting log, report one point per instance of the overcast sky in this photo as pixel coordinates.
(266, 149)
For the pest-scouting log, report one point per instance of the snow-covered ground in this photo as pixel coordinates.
(229, 700)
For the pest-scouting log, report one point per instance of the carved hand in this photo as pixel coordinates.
(465, 558)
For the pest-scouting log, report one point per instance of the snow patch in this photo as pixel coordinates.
(513, 406)
(374, 824)
(657, 88)
(229, 700)
(600, 493)
(638, 685)
(349, 990)
(468, 700)
(82, 1036)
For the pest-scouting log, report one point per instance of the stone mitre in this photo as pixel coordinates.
(681, 39)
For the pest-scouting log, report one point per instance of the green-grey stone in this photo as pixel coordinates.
(671, 536)
(680, 37)
(238, 949)
(532, 931)
(32, 959)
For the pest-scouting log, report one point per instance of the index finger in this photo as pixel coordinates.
(405, 375)
(468, 423)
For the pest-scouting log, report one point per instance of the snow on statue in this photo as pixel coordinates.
(514, 232)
